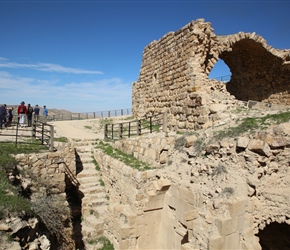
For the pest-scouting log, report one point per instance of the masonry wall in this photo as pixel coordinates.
(150, 211)
(174, 74)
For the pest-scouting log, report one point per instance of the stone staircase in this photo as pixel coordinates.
(94, 201)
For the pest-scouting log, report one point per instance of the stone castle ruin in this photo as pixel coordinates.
(198, 192)
(175, 69)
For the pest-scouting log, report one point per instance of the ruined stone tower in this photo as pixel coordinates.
(175, 69)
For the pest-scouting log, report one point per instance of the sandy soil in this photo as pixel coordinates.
(78, 129)
(83, 129)
(71, 129)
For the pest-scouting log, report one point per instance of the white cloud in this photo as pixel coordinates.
(47, 67)
(83, 96)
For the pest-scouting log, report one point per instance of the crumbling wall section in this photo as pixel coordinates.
(171, 73)
(174, 74)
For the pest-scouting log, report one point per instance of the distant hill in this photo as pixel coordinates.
(50, 111)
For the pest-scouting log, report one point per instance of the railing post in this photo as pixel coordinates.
(106, 132)
(112, 131)
(51, 140)
(165, 121)
(109, 114)
(150, 124)
(34, 129)
(120, 130)
(121, 111)
(129, 129)
(16, 137)
(139, 127)
(42, 133)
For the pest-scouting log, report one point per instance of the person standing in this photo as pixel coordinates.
(10, 116)
(36, 113)
(2, 115)
(45, 114)
(22, 111)
(29, 115)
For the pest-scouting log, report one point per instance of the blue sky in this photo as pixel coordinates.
(83, 56)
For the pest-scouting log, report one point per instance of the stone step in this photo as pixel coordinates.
(94, 202)
(93, 221)
(89, 179)
(92, 189)
(89, 172)
(85, 158)
(94, 196)
(96, 211)
(88, 231)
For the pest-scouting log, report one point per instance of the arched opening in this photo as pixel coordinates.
(220, 72)
(275, 236)
(257, 74)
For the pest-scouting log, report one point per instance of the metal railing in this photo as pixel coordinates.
(41, 132)
(118, 131)
(90, 115)
(225, 78)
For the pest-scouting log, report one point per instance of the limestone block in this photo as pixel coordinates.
(190, 214)
(216, 243)
(279, 141)
(232, 241)
(237, 207)
(155, 202)
(217, 108)
(260, 147)
(163, 157)
(190, 140)
(242, 142)
(188, 196)
(226, 226)
(124, 244)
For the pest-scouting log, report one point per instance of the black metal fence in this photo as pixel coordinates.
(117, 131)
(40, 133)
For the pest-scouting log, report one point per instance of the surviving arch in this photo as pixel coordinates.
(259, 72)
(182, 60)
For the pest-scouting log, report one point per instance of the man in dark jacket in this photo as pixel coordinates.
(2, 115)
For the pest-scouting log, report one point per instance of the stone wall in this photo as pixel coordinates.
(174, 73)
(46, 175)
(220, 198)
(151, 149)
(49, 168)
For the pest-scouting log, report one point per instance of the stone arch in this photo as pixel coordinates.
(259, 72)
(275, 236)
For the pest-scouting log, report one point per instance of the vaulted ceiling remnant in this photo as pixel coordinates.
(174, 73)
(258, 72)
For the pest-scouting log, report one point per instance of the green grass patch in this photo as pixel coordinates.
(102, 183)
(61, 139)
(10, 199)
(129, 160)
(251, 124)
(105, 121)
(107, 245)
(96, 164)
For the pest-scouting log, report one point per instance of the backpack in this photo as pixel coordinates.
(30, 110)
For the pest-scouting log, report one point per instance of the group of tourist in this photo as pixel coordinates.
(7, 114)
